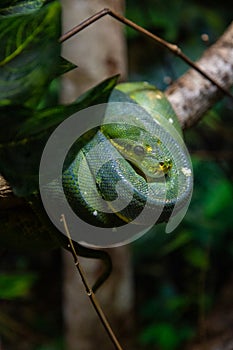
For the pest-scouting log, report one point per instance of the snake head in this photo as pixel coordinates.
(152, 162)
(146, 153)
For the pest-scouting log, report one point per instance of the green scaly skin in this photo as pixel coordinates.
(147, 163)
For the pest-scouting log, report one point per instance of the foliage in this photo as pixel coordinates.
(30, 69)
(173, 19)
(15, 286)
(30, 62)
(30, 314)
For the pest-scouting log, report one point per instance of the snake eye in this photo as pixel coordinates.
(139, 150)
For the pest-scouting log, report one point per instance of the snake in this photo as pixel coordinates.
(136, 158)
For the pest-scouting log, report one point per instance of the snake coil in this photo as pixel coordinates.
(136, 168)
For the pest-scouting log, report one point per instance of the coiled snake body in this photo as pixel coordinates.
(134, 169)
(137, 158)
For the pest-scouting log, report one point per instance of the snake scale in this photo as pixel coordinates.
(142, 153)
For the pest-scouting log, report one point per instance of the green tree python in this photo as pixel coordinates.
(138, 158)
(135, 160)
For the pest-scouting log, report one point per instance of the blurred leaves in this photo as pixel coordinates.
(173, 19)
(217, 202)
(197, 258)
(165, 336)
(15, 286)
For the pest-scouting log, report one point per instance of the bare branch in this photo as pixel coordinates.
(89, 291)
(171, 47)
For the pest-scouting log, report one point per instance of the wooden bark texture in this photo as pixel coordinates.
(192, 95)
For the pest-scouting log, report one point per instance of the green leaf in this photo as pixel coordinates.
(14, 7)
(20, 157)
(15, 286)
(51, 117)
(64, 66)
(29, 55)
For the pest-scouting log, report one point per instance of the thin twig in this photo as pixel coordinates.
(171, 47)
(89, 291)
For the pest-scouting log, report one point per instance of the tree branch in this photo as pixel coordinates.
(192, 95)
